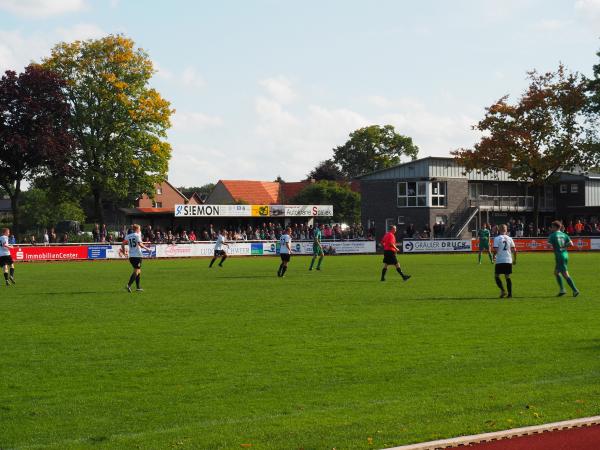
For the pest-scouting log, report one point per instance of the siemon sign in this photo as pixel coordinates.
(253, 210)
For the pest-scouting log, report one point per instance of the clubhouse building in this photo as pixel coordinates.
(438, 190)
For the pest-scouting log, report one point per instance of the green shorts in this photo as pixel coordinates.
(484, 245)
(562, 264)
(317, 250)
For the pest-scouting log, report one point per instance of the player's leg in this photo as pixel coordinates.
(383, 271)
(223, 258)
(402, 274)
(508, 285)
(11, 273)
(5, 271)
(497, 274)
(559, 280)
(570, 282)
(286, 259)
(212, 261)
(321, 256)
(138, 277)
(479, 255)
(280, 270)
(490, 255)
(312, 261)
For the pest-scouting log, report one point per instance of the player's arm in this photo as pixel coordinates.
(495, 250)
(123, 250)
(288, 245)
(142, 245)
(514, 250)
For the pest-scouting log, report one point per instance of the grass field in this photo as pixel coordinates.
(226, 357)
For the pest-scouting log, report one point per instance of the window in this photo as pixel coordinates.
(370, 224)
(475, 190)
(156, 204)
(574, 188)
(158, 191)
(441, 219)
(401, 220)
(563, 188)
(412, 193)
(438, 193)
(389, 223)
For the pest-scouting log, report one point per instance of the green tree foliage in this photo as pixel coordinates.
(346, 202)
(42, 210)
(373, 148)
(204, 189)
(119, 122)
(544, 132)
(326, 170)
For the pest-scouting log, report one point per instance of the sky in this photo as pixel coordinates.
(267, 88)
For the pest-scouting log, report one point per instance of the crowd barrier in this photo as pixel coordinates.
(72, 252)
(472, 245)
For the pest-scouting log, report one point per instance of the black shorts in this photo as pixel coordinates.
(389, 257)
(285, 257)
(136, 263)
(219, 253)
(503, 269)
(6, 260)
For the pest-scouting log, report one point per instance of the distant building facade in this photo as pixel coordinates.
(438, 190)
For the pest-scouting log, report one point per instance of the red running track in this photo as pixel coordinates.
(583, 438)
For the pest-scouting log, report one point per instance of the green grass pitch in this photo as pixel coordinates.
(222, 358)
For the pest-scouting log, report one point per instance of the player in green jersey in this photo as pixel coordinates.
(560, 242)
(484, 242)
(317, 248)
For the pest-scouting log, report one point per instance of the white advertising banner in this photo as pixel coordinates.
(595, 243)
(213, 210)
(338, 247)
(438, 245)
(253, 210)
(308, 210)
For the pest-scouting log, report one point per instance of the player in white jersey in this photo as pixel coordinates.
(505, 255)
(6, 261)
(220, 245)
(134, 242)
(285, 251)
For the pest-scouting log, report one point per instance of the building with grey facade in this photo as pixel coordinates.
(438, 190)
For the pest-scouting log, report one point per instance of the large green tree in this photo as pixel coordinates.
(346, 202)
(119, 121)
(34, 137)
(544, 132)
(326, 170)
(373, 148)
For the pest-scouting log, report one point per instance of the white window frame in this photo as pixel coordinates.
(158, 191)
(156, 204)
(388, 222)
(564, 189)
(574, 188)
(438, 196)
(421, 194)
(478, 188)
(401, 220)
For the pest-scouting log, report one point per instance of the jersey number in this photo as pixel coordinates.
(132, 242)
(505, 245)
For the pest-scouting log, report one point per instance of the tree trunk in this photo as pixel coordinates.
(98, 210)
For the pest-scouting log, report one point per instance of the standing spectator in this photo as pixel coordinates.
(579, 228)
(96, 233)
(46, 237)
(192, 236)
(103, 233)
(65, 238)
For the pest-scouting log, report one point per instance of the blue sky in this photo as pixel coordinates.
(268, 87)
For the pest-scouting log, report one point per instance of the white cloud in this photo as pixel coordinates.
(41, 8)
(190, 77)
(194, 121)
(80, 32)
(550, 25)
(18, 49)
(162, 72)
(588, 10)
(280, 89)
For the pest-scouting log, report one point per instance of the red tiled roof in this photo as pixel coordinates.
(253, 192)
(156, 210)
(290, 190)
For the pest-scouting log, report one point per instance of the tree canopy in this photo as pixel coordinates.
(544, 132)
(373, 148)
(34, 131)
(326, 170)
(119, 122)
(346, 202)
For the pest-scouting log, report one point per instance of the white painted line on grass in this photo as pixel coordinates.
(498, 435)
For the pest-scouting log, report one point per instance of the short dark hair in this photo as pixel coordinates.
(557, 223)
